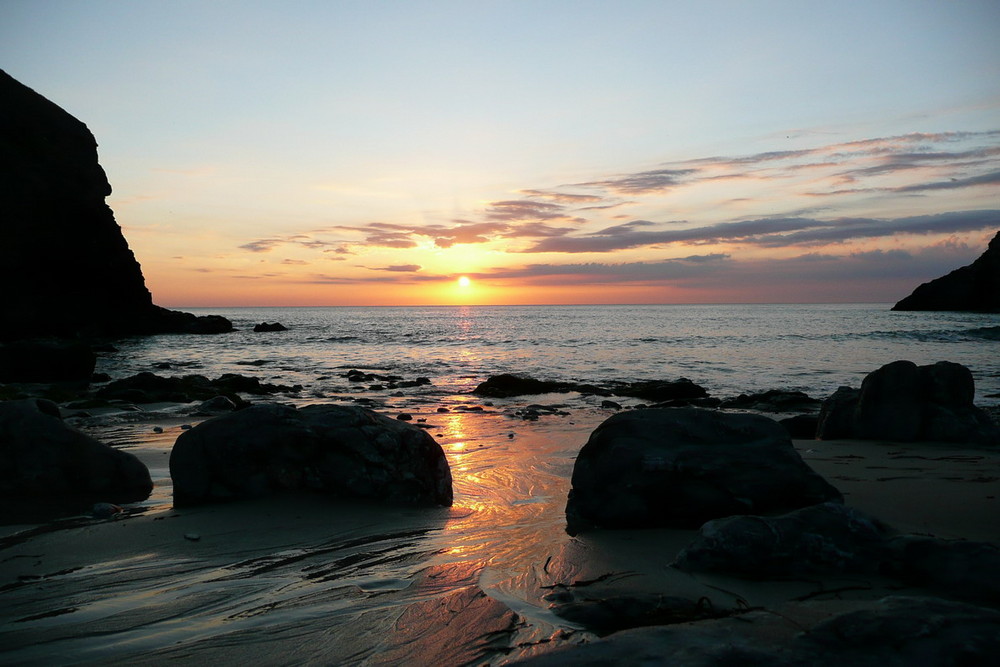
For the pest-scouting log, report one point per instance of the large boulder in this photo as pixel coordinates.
(971, 288)
(903, 402)
(44, 461)
(64, 263)
(825, 538)
(345, 451)
(831, 538)
(680, 467)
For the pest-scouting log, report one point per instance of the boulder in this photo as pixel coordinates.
(971, 288)
(45, 461)
(65, 264)
(46, 361)
(903, 402)
(344, 451)
(265, 327)
(833, 539)
(824, 538)
(773, 400)
(801, 427)
(680, 467)
(895, 631)
(148, 387)
(662, 391)
(508, 385)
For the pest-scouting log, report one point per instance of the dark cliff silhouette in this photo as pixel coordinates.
(974, 288)
(65, 267)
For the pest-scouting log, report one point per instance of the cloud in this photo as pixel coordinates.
(295, 262)
(598, 272)
(397, 268)
(263, 245)
(525, 209)
(992, 178)
(644, 182)
(563, 197)
(769, 232)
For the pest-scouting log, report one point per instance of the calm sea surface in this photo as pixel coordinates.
(728, 349)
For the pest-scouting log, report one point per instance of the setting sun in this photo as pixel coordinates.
(464, 281)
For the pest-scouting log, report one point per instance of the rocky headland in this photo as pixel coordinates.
(65, 264)
(974, 288)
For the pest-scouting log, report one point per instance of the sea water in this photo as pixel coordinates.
(727, 349)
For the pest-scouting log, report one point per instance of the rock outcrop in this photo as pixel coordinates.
(44, 462)
(66, 267)
(895, 631)
(971, 288)
(903, 402)
(344, 451)
(680, 467)
(831, 538)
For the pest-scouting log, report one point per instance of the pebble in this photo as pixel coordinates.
(193, 537)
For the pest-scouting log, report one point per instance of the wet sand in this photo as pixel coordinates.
(307, 579)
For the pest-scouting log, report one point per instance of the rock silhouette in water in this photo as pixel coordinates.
(65, 265)
(971, 288)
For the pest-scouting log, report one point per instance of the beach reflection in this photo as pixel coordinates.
(510, 488)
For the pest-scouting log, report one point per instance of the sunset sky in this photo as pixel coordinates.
(373, 152)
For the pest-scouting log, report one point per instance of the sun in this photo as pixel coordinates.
(463, 281)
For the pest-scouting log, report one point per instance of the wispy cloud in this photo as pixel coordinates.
(768, 232)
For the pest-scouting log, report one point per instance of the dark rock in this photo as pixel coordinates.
(344, 451)
(217, 404)
(607, 615)
(680, 467)
(611, 405)
(971, 288)
(268, 327)
(892, 632)
(773, 400)
(44, 461)
(836, 415)
(825, 538)
(903, 402)
(148, 387)
(59, 242)
(660, 391)
(508, 385)
(963, 569)
(833, 539)
(801, 427)
(46, 361)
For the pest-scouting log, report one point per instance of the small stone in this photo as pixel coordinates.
(404, 417)
(157, 429)
(192, 537)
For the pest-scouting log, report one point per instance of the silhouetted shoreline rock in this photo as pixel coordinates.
(48, 464)
(67, 267)
(680, 467)
(344, 451)
(148, 387)
(903, 402)
(267, 327)
(973, 288)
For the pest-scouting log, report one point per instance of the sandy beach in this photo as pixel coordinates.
(306, 579)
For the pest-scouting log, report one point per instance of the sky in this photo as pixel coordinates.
(552, 152)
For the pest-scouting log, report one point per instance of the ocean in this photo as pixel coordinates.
(727, 349)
